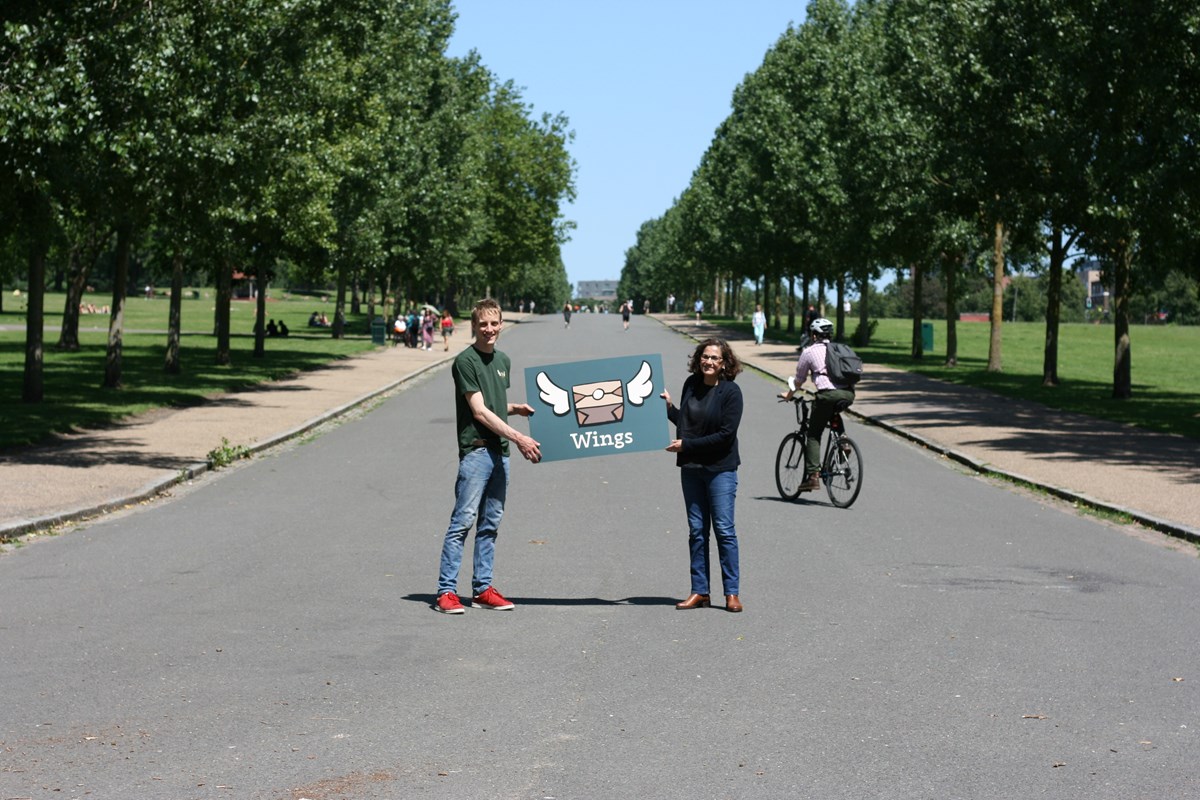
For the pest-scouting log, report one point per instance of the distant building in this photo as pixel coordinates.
(1088, 272)
(597, 290)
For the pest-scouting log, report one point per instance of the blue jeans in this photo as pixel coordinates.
(479, 493)
(709, 497)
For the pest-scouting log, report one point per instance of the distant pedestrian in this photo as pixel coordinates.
(760, 323)
(625, 309)
(566, 315)
(428, 323)
(699, 306)
(481, 381)
(447, 325)
(399, 328)
(413, 331)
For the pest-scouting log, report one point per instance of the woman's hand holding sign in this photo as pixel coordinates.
(677, 444)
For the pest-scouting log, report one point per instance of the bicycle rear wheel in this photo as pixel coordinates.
(843, 471)
(789, 466)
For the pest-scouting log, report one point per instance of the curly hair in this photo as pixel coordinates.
(731, 367)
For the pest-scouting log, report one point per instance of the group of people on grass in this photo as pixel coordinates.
(706, 422)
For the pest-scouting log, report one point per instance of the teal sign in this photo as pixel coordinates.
(597, 408)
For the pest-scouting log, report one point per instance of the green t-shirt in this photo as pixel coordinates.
(487, 373)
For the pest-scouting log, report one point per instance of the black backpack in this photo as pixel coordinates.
(842, 364)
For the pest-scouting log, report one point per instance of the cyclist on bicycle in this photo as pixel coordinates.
(829, 398)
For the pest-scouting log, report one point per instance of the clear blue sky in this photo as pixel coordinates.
(644, 83)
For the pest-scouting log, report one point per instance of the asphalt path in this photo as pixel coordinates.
(268, 634)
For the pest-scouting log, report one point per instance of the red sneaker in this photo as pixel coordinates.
(448, 603)
(492, 599)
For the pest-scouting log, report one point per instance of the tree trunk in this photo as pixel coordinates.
(950, 266)
(791, 309)
(355, 304)
(94, 243)
(68, 335)
(778, 309)
(260, 316)
(764, 297)
(116, 322)
(224, 298)
(918, 341)
(1058, 255)
(1122, 286)
(717, 296)
(821, 296)
(370, 293)
(33, 389)
(864, 331)
(339, 306)
(994, 362)
(172, 364)
(807, 301)
(841, 308)
(36, 211)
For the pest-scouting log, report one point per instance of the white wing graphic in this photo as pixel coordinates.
(641, 386)
(554, 396)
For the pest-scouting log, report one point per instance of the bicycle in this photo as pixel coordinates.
(841, 468)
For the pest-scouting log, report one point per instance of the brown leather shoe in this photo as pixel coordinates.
(732, 603)
(694, 601)
(811, 484)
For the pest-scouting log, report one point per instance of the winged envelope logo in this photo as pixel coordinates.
(597, 402)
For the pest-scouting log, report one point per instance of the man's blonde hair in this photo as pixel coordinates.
(486, 304)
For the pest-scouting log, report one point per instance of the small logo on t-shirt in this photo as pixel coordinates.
(500, 373)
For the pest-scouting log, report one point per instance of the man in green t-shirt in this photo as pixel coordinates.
(481, 380)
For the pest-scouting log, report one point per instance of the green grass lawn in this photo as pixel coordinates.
(1165, 367)
(74, 399)
(1166, 380)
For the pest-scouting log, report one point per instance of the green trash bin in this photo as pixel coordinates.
(927, 337)
(378, 331)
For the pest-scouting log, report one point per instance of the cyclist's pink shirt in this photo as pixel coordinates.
(813, 361)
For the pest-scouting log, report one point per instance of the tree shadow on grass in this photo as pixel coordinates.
(75, 401)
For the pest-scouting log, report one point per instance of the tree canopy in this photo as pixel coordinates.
(336, 138)
(916, 136)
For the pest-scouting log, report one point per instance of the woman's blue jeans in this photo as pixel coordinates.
(709, 498)
(479, 493)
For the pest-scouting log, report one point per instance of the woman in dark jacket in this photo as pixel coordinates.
(706, 424)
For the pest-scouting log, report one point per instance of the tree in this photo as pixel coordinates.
(1142, 116)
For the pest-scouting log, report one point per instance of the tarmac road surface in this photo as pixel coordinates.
(268, 634)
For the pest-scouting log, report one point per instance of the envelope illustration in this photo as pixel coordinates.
(598, 403)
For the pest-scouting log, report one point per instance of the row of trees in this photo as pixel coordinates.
(333, 135)
(928, 136)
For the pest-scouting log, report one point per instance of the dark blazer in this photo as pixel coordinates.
(707, 420)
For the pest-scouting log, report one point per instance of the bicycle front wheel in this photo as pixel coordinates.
(789, 466)
(843, 471)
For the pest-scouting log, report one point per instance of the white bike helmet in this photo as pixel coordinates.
(821, 327)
